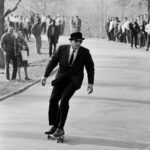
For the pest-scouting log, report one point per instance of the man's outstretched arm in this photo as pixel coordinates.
(50, 66)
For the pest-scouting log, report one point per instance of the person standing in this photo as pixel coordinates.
(111, 29)
(43, 26)
(107, 27)
(134, 30)
(36, 30)
(63, 25)
(53, 36)
(20, 46)
(25, 27)
(72, 59)
(147, 30)
(7, 45)
(78, 24)
(58, 23)
(127, 30)
(144, 23)
(72, 24)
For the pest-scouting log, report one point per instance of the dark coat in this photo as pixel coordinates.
(53, 38)
(36, 29)
(19, 43)
(7, 43)
(76, 71)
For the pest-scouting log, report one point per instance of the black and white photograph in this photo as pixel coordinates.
(74, 74)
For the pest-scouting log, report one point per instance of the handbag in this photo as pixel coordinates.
(24, 55)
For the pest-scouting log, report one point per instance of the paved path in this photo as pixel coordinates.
(115, 117)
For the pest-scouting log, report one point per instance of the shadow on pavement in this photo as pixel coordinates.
(76, 140)
(113, 99)
(22, 135)
(121, 84)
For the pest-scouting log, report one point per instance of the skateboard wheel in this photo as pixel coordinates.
(60, 140)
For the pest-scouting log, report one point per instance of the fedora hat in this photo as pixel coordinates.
(76, 35)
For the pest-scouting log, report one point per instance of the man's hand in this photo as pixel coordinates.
(43, 81)
(90, 88)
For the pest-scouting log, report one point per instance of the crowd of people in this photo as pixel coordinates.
(135, 31)
(25, 23)
(75, 24)
(18, 30)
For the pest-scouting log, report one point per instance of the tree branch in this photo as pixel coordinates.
(11, 10)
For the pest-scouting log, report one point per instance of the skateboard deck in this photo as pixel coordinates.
(58, 139)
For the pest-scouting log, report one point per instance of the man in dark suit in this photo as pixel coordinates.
(72, 59)
(53, 36)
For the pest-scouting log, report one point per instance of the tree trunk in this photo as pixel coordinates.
(148, 9)
(1, 31)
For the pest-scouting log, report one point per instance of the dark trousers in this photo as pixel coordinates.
(133, 39)
(25, 33)
(43, 28)
(10, 58)
(148, 41)
(52, 48)
(144, 39)
(127, 34)
(38, 44)
(58, 111)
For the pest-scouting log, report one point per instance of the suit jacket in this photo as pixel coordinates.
(7, 43)
(76, 71)
(55, 36)
(36, 29)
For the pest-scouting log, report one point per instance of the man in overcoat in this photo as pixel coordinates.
(53, 36)
(36, 31)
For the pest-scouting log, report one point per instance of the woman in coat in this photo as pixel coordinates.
(21, 50)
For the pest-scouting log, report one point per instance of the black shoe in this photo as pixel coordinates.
(59, 133)
(26, 78)
(147, 49)
(51, 131)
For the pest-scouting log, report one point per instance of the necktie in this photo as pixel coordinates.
(71, 58)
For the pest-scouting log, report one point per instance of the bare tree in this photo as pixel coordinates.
(148, 9)
(1, 31)
(40, 6)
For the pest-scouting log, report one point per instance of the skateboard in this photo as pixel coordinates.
(58, 139)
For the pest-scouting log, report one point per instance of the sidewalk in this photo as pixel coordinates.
(36, 68)
(37, 64)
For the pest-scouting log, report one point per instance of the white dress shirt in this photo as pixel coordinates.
(147, 28)
(126, 25)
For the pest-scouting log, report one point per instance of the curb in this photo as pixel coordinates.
(19, 90)
(23, 88)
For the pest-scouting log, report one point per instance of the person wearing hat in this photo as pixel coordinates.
(72, 59)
